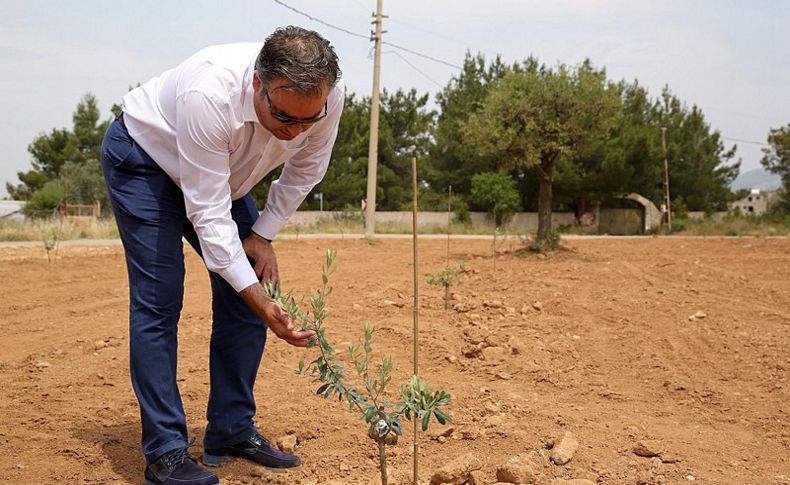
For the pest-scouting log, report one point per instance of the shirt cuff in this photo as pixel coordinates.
(239, 274)
(268, 225)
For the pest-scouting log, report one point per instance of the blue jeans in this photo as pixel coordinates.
(149, 211)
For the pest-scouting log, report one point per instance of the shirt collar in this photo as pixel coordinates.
(247, 102)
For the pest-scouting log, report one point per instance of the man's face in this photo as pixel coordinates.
(274, 101)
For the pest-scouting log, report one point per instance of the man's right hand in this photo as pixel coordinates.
(275, 317)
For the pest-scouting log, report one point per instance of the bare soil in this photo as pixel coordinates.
(595, 339)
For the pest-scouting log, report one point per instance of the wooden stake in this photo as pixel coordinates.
(416, 301)
(449, 219)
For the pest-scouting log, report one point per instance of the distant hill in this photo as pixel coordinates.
(758, 178)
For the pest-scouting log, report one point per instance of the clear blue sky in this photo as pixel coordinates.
(730, 58)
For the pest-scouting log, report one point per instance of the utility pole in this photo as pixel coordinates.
(666, 179)
(373, 148)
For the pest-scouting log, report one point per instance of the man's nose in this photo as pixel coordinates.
(294, 130)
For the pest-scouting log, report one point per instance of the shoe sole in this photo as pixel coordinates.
(217, 460)
(149, 482)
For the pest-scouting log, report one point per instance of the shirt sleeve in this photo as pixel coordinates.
(302, 172)
(202, 134)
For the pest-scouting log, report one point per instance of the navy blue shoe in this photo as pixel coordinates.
(257, 450)
(178, 468)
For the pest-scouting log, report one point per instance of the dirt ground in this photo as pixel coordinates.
(596, 340)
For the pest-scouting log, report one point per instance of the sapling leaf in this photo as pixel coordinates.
(426, 419)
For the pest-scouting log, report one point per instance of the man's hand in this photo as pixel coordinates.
(276, 318)
(261, 250)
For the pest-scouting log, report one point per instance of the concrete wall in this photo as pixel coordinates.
(11, 210)
(523, 221)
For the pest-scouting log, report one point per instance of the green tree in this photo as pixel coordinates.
(699, 170)
(70, 157)
(452, 161)
(405, 130)
(496, 194)
(776, 159)
(537, 117)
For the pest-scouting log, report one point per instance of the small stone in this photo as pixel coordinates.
(518, 469)
(495, 354)
(477, 477)
(647, 448)
(563, 451)
(494, 421)
(456, 297)
(699, 315)
(510, 309)
(462, 307)
(470, 351)
(503, 376)
(524, 309)
(457, 471)
(392, 303)
(99, 344)
(470, 432)
(451, 359)
(492, 408)
(43, 364)
(287, 443)
(538, 306)
(357, 307)
(690, 478)
(492, 304)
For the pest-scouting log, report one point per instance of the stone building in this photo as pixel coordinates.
(756, 203)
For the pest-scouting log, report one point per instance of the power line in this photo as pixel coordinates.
(355, 34)
(740, 140)
(421, 55)
(414, 67)
(314, 19)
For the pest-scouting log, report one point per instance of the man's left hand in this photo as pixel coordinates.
(262, 252)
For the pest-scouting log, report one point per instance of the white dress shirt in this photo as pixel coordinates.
(198, 123)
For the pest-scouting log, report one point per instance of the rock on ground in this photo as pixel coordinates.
(647, 448)
(563, 451)
(457, 471)
(519, 469)
(287, 443)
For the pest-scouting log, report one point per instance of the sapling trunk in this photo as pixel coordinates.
(446, 296)
(383, 460)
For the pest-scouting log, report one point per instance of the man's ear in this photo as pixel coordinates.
(256, 82)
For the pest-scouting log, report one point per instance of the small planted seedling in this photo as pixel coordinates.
(383, 417)
(447, 277)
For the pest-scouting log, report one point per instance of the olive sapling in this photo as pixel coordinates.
(383, 417)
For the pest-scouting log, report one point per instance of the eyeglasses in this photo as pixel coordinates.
(290, 120)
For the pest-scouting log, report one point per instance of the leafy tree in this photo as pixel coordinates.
(699, 172)
(495, 193)
(776, 159)
(452, 161)
(44, 200)
(66, 154)
(405, 130)
(537, 117)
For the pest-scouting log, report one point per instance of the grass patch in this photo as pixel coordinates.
(734, 225)
(56, 228)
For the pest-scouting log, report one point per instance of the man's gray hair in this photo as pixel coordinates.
(301, 56)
